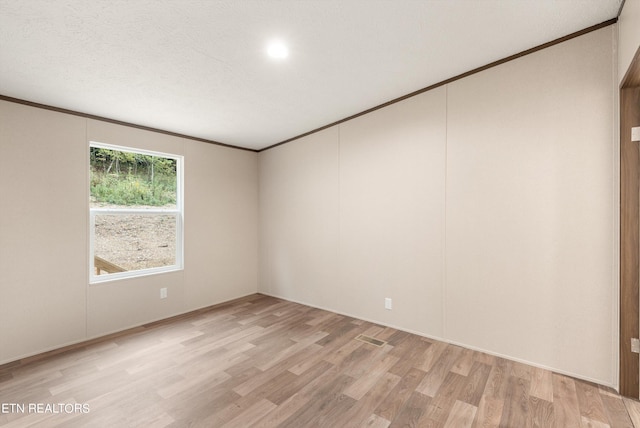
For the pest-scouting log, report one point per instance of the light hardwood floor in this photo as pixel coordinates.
(264, 362)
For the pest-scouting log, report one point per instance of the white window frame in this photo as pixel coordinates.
(178, 212)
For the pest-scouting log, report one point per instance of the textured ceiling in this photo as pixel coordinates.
(198, 67)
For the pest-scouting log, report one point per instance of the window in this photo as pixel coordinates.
(135, 205)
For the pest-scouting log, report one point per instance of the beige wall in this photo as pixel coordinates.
(221, 224)
(392, 225)
(328, 210)
(299, 223)
(485, 209)
(45, 299)
(628, 35)
(530, 208)
(43, 229)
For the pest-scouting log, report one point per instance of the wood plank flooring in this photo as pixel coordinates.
(264, 362)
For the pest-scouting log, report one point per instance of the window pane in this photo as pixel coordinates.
(125, 242)
(133, 180)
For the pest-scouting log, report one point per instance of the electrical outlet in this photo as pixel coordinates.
(163, 293)
(635, 133)
(388, 304)
(635, 345)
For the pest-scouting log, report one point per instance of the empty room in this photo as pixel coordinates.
(355, 213)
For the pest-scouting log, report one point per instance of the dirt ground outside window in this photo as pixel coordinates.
(135, 242)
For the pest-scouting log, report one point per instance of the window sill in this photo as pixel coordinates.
(100, 279)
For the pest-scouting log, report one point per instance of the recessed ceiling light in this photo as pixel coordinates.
(278, 50)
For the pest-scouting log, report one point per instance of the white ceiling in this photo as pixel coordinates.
(198, 67)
